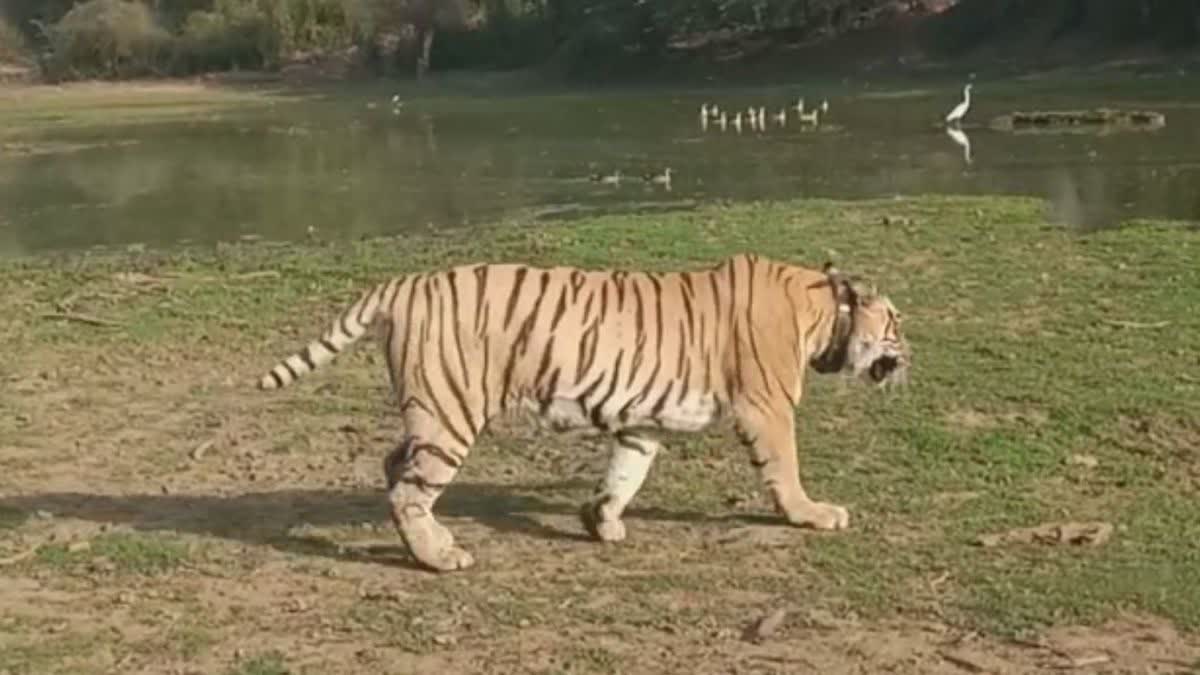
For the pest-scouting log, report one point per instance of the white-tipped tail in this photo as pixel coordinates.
(351, 325)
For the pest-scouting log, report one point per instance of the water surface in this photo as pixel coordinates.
(349, 165)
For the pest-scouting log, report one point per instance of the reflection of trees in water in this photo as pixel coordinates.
(206, 186)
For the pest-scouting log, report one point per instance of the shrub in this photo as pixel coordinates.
(107, 38)
(233, 35)
(13, 48)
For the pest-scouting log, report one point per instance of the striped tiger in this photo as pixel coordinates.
(624, 352)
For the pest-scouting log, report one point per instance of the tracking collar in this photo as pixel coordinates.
(833, 358)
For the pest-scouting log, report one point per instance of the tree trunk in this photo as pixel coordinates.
(425, 37)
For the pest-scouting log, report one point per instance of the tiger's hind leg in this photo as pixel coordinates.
(631, 458)
(417, 472)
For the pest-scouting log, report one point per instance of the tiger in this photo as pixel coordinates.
(620, 352)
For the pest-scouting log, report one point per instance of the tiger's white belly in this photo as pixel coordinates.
(694, 413)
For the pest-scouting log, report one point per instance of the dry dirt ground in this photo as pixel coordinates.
(164, 518)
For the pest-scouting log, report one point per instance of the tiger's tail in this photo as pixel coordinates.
(351, 325)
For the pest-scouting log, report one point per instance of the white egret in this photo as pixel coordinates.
(955, 116)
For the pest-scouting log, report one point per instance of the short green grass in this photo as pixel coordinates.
(121, 553)
(79, 108)
(1032, 345)
(267, 663)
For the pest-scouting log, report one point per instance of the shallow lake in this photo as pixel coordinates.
(350, 164)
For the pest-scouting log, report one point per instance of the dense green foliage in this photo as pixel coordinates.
(587, 37)
(1035, 23)
(13, 47)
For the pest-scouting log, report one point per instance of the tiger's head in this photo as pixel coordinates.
(865, 340)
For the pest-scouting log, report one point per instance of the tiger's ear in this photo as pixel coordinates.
(832, 272)
(833, 277)
(863, 288)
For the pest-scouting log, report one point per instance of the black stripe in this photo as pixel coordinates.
(457, 392)
(582, 398)
(650, 382)
(662, 401)
(592, 340)
(733, 298)
(786, 391)
(514, 295)
(658, 314)
(550, 390)
(577, 280)
(387, 355)
(687, 382)
(345, 329)
(560, 309)
(483, 386)
(716, 299)
(612, 387)
(454, 325)
(521, 342)
(306, 356)
(682, 351)
(447, 456)
(732, 383)
(531, 319)
(547, 353)
(391, 302)
(587, 308)
(687, 309)
(364, 303)
(750, 329)
(812, 327)
(707, 371)
(439, 411)
(638, 354)
(422, 484)
(414, 401)
(278, 380)
(291, 371)
(687, 283)
(632, 442)
(408, 321)
(618, 279)
(329, 345)
(481, 281)
(639, 324)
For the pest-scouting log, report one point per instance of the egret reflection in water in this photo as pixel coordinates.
(962, 140)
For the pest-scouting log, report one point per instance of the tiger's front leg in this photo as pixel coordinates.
(631, 458)
(770, 436)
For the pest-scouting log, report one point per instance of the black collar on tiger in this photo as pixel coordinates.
(833, 358)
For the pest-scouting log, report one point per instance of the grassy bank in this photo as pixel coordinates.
(159, 512)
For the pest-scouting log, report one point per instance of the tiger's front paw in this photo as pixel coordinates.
(819, 516)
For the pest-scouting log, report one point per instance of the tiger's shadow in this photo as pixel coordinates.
(291, 520)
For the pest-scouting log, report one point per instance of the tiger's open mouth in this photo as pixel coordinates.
(882, 367)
